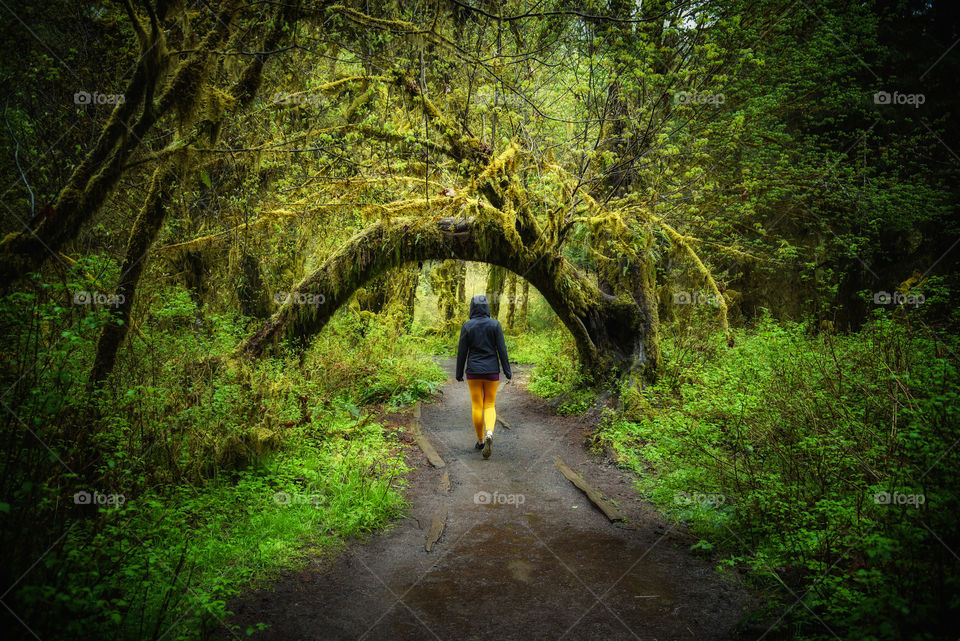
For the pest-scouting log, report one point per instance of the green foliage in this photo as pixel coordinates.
(554, 357)
(401, 376)
(556, 373)
(169, 558)
(797, 191)
(782, 451)
(226, 471)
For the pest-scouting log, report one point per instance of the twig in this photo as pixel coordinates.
(16, 158)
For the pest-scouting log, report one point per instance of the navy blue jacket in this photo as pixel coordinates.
(481, 343)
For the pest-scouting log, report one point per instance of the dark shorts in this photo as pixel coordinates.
(483, 377)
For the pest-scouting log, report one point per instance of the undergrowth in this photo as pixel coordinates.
(193, 478)
(824, 463)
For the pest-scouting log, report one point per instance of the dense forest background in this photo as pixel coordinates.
(728, 229)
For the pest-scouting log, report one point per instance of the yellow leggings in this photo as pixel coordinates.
(483, 396)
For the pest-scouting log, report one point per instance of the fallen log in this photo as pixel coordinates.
(592, 493)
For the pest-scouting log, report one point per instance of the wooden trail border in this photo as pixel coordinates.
(436, 529)
(422, 441)
(592, 493)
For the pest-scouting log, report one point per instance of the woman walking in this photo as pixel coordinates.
(483, 351)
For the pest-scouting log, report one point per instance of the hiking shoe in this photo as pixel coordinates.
(487, 442)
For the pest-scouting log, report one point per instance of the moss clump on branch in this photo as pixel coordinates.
(606, 329)
(446, 280)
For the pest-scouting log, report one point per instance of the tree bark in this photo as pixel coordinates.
(610, 332)
(511, 299)
(407, 292)
(192, 74)
(524, 305)
(496, 279)
(145, 230)
(444, 281)
(252, 294)
(96, 177)
(462, 281)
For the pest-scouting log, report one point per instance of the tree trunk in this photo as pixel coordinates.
(496, 279)
(95, 178)
(186, 88)
(511, 299)
(409, 291)
(611, 333)
(194, 268)
(252, 293)
(145, 230)
(462, 282)
(524, 306)
(372, 297)
(444, 279)
(402, 293)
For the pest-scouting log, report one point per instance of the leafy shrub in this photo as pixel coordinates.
(228, 470)
(554, 357)
(791, 452)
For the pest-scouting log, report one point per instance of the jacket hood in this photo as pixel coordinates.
(479, 307)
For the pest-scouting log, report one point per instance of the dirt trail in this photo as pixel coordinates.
(538, 561)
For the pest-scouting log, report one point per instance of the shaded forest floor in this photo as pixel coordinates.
(536, 561)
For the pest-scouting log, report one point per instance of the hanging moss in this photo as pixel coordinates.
(99, 173)
(496, 280)
(606, 331)
(444, 281)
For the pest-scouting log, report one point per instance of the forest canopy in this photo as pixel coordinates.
(218, 214)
